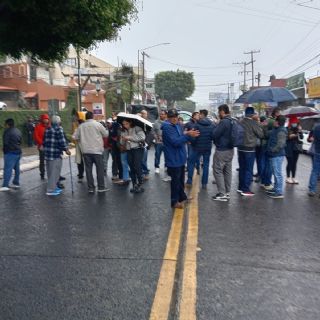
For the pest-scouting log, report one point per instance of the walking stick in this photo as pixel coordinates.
(71, 174)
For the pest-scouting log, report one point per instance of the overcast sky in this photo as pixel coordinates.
(207, 36)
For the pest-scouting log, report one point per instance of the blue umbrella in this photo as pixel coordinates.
(267, 94)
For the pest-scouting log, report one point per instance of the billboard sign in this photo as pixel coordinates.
(97, 108)
(314, 88)
(296, 82)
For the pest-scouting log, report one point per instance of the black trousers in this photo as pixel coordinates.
(177, 175)
(135, 157)
(116, 161)
(292, 164)
(41, 163)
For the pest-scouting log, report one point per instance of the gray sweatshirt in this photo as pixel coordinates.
(137, 138)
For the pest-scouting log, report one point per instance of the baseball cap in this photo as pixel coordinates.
(172, 113)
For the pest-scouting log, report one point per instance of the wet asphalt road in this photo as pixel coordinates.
(99, 256)
(260, 257)
(81, 256)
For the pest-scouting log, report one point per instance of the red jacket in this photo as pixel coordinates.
(38, 134)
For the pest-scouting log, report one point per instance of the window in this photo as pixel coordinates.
(149, 85)
(72, 62)
(7, 72)
(22, 70)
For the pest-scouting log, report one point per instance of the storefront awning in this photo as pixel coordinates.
(30, 95)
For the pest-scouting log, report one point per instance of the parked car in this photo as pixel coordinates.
(3, 106)
(305, 144)
(185, 115)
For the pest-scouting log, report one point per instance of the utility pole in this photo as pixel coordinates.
(79, 80)
(252, 52)
(258, 78)
(143, 76)
(244, 72)
(138, 74)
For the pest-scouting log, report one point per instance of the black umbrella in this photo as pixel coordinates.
(300, 111)
(267, 94)
(307, 123)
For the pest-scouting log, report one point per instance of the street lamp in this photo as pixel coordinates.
(98, 86)
(143, 64)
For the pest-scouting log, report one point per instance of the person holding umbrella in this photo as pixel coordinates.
(132, 139)
(175, 154)
(293, 149)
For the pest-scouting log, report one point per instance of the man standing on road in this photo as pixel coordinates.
(158, 140)
(313, 181)
(189, 126)
(174, 140)
(12, 138)
(222, 160)
(38, 136)
(276, 152)
(202, 148)
(54, 143)
(246, 153)
(29, 130)
(91, 134)
(148, 143)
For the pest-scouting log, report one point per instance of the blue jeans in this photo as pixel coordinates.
(159, 149)
(276, 166)
(145, 170)
(266, 174)
(11, 162)
(314, 173)
(177, 184)
(125, 166)
(246, 163)
(194, 160)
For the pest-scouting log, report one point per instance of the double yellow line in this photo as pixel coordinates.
(165, 288)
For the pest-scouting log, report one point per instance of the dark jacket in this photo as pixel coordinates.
(190, 125)
(12, 139)
(294, 145)
(204, 141)
(174, 142)
(277, 142)
(252, 133)
(316, 136)
(222, 135)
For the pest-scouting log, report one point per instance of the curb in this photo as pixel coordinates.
(34, 164)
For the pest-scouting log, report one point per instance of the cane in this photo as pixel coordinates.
(71, 174)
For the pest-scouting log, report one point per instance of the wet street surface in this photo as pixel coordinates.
(100, 256)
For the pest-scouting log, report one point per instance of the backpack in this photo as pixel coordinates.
(237, 133)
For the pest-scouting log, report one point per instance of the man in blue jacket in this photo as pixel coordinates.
(174, 141)
(202, 148)
(12, 138)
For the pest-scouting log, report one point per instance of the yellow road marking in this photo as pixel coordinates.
(162, 300)
(189, 282)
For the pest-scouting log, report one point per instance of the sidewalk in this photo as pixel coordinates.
(29, 160)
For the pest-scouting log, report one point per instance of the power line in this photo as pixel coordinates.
(298, 68)
(187, 66)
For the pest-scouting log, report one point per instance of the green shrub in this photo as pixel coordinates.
(20, 119)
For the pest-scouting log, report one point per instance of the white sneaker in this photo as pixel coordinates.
(15, 186)
(295, 181)
(289, 180)
(166, 179)
(4, 189)
(157, 170)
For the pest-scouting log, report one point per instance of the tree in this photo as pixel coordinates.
(45, 29)
(187, 105)
(174, 85)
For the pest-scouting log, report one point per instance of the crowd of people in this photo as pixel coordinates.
(187, 149)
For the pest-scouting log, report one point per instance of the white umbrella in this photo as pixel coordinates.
(138, 121)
